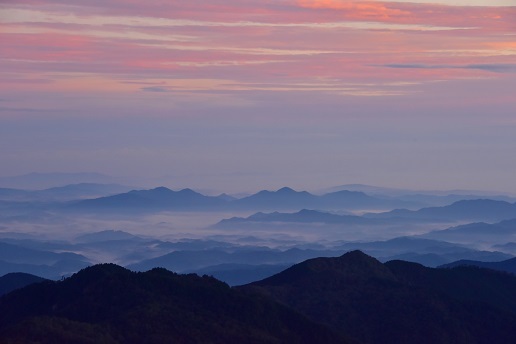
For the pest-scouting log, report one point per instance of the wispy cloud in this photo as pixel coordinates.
(155, 89)
(275, 44)
(496, 68)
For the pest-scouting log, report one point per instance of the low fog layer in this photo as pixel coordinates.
(243, 239)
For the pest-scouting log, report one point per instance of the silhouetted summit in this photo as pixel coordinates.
(284, 198)
(398, 302)
(351, 267)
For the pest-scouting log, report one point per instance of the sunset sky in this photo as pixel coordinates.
(241, 95)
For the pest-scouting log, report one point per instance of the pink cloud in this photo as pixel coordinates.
(269, 42)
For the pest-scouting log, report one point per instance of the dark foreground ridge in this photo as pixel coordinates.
(321, 300)
(109, 304)
(399, 302)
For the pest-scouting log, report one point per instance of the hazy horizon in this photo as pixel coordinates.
(47, 180)
(245, 95)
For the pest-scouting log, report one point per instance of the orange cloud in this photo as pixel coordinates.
(359, 10)
(492, 19)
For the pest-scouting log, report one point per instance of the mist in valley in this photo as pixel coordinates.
(247, 238)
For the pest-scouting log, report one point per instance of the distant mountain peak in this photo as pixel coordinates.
(161, 189)
(286, 189)
(352, 264)
(188, 191)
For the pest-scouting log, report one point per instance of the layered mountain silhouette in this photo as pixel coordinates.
(158, 198)
(431, 253)
(17, 280)
(194, 260)
(321, 300)
(466, 210)
(282, 199)
(398, 302)
(109, 304)
(48, 264)
(106, 235)
(79, 191)
(38, 181)
(508, 265)
(302, 216)
(500, 232)
(509, 247)
(239, 274)
(285, 198)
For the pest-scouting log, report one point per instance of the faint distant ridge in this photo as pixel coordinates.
(64, 193)
(394, 192)
(480, 209)
(494, 233)
(369, 189)
(106, 235)
(37, 181)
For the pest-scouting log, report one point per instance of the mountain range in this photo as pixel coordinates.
(162, 198)
(234, 263)
(348, 299)
(302, 216)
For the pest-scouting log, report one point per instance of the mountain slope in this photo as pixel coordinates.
(377, 303)
(16, 280)
(107, 303)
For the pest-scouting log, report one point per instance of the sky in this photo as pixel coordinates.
(242, 95)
